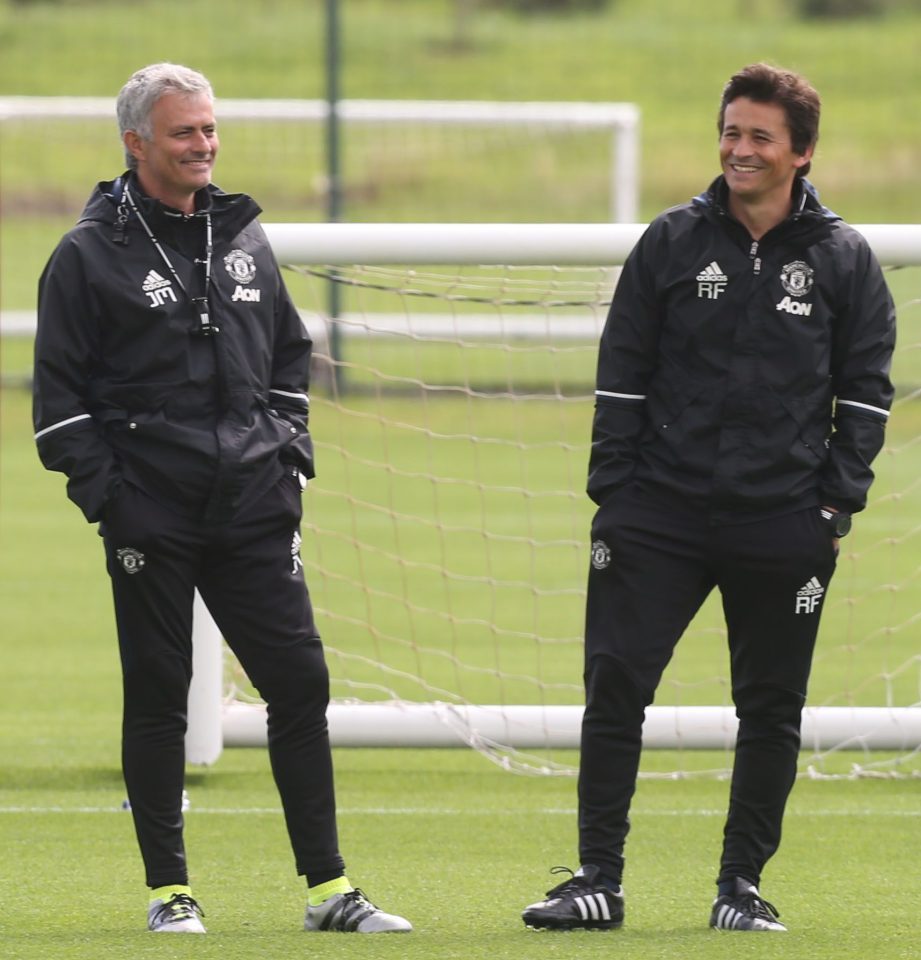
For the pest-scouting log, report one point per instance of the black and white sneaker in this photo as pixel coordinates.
(353, 912)
(744, 909)
(580, 903)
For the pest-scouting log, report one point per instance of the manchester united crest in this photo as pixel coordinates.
(240, 265)
(132, 560)
(796, 278)
(601, 555)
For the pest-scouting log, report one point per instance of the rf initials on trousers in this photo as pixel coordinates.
(654, 562)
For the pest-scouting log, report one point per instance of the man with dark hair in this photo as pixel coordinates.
(742, 393)
(171, 373)
(800, 102)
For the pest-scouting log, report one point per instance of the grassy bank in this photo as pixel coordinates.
(669, 57)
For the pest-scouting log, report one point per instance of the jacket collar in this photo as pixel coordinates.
(230, 212)
(806, 201)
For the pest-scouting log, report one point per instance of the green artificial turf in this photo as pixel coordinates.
(447, 838)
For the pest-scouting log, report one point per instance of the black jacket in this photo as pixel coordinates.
(745, 378)
(127, 388)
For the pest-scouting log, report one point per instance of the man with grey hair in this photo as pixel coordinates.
(138, 96)
(171, 374)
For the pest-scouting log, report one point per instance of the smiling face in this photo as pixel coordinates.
(757, 155)
(179, 157)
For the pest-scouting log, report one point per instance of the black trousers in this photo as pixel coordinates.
(652, 567)
(250, 577)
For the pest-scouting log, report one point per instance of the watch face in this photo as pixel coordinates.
(837, 524)
(841, 522)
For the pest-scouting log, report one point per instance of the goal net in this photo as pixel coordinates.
(445, 539)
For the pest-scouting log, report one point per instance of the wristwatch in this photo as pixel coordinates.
(838, 523)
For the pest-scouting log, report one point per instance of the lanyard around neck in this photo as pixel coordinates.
(207, 328)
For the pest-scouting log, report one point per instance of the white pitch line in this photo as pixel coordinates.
(451, 812)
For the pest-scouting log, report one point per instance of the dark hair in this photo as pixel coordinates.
(800, 102)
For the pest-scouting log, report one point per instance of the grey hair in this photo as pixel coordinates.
(138, 96)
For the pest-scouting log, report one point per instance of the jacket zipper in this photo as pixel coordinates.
(753, 256)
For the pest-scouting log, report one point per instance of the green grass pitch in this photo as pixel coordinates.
(444, 837)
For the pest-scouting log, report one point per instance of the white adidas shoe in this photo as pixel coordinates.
(352, 912)
(179, 913)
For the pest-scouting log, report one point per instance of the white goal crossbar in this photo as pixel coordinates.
(214, 724)
(511, 244)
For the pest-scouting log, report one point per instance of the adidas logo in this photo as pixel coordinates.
(153, 281)
(712, 271)
(158, 289)
(809, 596)
(594, 906)
(810, 589)
(711, 281)
(728, 918)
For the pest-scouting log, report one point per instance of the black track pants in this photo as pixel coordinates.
(250, 576)
(652, 568)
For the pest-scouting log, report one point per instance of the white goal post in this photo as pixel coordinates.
(622, 120)
(214, 724)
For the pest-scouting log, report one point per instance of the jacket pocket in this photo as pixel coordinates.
(809, 419)
(668, 407)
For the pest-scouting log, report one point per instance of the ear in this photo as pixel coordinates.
(134, 144)
(804, 158)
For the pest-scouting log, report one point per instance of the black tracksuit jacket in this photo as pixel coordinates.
(127, 389)
(747, 379)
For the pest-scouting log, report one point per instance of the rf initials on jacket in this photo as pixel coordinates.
(711, 282)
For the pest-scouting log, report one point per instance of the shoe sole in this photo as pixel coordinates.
(601, 926)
